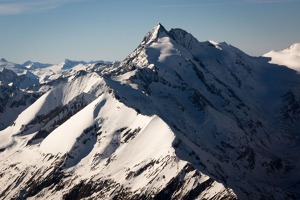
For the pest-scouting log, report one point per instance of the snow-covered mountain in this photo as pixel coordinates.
(11, 66)
(289, 57)
(46, 73)
(34, 65)
(13, 95)
(177, 119)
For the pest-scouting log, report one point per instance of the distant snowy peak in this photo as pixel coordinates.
(68, 64)
(6, 64)
(11, 66)
(35, 65)
(289, 57)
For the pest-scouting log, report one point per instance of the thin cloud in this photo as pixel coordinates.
(19, 6)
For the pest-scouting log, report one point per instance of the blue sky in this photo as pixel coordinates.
(52, 30)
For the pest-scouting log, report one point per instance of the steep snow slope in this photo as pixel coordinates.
(31, 120)
(289, 57)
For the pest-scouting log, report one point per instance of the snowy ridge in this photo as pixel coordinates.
(289, 57)
(46, 73)
(176, 119)
(114, 144)
(34, 65)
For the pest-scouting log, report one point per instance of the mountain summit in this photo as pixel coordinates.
(177, 119)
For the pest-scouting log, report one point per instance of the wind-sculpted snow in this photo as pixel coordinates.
(177, 119)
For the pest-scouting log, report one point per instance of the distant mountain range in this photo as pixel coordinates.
(176, 119)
